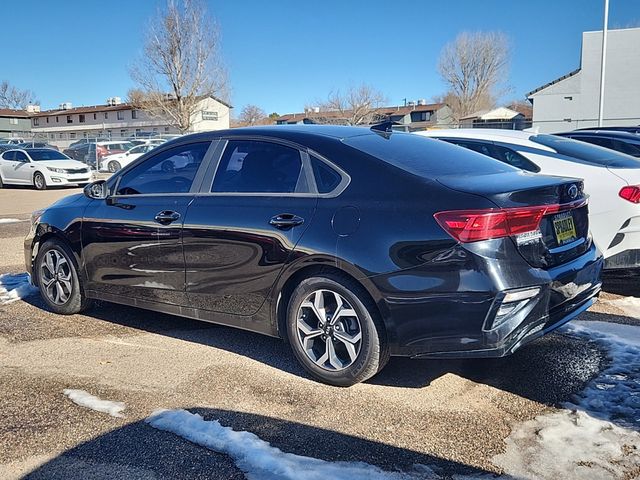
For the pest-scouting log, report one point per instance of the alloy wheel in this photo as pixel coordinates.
(55, 277)
(38, 179)
(329, 330)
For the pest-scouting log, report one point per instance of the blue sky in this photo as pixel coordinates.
(284, 54)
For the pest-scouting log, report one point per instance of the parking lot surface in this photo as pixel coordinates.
(452, 417)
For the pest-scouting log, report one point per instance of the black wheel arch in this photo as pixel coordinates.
(320, 266)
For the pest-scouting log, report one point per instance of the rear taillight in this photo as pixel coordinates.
(475, 225)
(631, 193)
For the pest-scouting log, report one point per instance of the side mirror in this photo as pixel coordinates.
(97, 190)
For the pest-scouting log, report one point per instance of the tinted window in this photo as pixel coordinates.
(171, 171)
(327, 179)
(586, 153)
(628, 148)
(514, 159)
(11, 155)
(21, 157)
(46, 154)
(425, 156)
(250, 166)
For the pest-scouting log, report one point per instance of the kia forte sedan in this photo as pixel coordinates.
(352, 244)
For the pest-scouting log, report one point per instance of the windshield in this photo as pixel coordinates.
(41, 154)
(586, 153)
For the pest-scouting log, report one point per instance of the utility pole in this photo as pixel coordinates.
(603, 62)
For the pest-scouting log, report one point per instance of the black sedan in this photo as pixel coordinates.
(352, 244)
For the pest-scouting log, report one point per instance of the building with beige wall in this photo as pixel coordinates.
(117, 120)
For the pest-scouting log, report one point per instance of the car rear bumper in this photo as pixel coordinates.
(470, 322)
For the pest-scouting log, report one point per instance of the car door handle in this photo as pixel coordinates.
(165, 217)
(285, 221)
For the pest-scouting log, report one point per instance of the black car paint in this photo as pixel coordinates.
(223, 262)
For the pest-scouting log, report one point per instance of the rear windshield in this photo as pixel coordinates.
(586, 152)
(426, 156)
(38, 154)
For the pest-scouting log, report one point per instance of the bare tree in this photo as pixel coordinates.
(252, 115)
(182, 63)
(357, 106)
(12, 97)
(474, 67)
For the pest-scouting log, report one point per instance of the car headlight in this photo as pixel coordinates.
(35, 216)
(57, 170)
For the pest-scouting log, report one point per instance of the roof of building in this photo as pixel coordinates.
(553, 82)
(99, 108)
(9, 112)
(500, 113)
(335, 114)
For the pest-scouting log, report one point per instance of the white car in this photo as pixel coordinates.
(113, 163)
(611, 179)
(42, 168)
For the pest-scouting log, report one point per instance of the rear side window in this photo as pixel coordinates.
(327, 179)
(514, 159)
(252, 166)
(171, 171)
(586, 153)
(425, 156)
(628, 148)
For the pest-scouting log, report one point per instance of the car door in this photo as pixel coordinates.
(132, 241)
(7, 166)
(243, 227)
(20, 170)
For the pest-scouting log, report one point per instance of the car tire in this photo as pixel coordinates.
(39, 181)
(352, 346)
(58, 280)
(113, 166)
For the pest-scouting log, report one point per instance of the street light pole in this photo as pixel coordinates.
(603, 62)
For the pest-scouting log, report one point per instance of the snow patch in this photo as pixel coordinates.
(14, 287)
(570, 446)
(629, 305)
(11, 220)
(85, 399)
(260, 461)
(597, 437)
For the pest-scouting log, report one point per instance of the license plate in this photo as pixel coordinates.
(564, 228)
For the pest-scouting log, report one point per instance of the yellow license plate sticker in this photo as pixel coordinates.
(564, 227)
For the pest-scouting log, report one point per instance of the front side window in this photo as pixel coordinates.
(171, 171)
(21, 157)
(249, 166)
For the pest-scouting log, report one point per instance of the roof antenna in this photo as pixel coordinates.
(384, 127)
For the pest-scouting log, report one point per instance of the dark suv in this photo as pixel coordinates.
(351, 244)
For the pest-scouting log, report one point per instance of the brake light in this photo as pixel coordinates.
(475, 225)
(631, 193)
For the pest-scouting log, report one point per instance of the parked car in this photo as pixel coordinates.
(84, 141)
(635, 129)
(11, 140)
(33, 144)
(350, 243)
(156, 141)
(6, 146)
(93, 153)
(42, 168)
(611, 179)
(623, 142)
(115, 162)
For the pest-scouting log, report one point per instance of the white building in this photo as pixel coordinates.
(572, 101)
(116, 120)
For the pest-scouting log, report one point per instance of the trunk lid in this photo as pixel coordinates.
(563, 231)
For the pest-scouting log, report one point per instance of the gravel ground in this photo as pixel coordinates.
(452, 415)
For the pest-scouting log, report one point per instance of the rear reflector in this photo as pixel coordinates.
(475, 225)
(631, 193)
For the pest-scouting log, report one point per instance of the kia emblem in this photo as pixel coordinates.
(573, 191)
